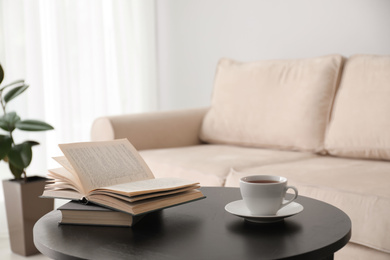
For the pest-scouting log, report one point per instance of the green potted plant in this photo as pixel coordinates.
(21, 193)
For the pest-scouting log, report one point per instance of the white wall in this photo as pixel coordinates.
(194, 34)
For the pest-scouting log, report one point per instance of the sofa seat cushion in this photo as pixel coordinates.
(353, 251)
(360, 124)
(210, 164)
(359, 187)
(279, 104)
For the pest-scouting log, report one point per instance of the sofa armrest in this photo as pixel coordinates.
(153, 130)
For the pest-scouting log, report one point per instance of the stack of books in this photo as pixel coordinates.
(109, 183)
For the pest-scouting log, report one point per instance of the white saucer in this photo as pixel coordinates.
(239, 209)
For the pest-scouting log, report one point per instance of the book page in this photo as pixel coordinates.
(107, 163)
(144, 206)
(123, 196)
(62, 194)
(61, 175)
(65, 163)
(149, 186)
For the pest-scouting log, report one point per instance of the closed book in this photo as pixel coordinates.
(77, 213)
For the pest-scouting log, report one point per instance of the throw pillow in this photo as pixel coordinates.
(283, 104)
(360, 124)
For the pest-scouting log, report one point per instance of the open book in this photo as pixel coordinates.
(114, 175)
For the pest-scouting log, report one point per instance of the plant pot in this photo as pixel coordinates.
(24, 208)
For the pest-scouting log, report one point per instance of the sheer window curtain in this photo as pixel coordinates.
(82, 59)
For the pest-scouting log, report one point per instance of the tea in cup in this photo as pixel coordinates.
(264, 194)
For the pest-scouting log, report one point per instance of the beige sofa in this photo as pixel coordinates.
(324, 123)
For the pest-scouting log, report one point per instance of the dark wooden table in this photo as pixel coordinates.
(201, 230)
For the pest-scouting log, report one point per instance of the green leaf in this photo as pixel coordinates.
(8, 121)
(13, 93)
(15, 171)
(20, 155)
(5, 145)
(33, 125)
(1, 74)
(32, 143)
(19, 82)
(3, 124)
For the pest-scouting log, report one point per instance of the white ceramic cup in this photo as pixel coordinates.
(264, 194)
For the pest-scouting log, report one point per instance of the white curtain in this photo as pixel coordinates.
(82, 59)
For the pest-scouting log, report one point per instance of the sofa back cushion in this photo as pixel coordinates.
(360, 124)
(282, 104)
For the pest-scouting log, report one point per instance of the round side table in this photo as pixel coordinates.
(201, 230)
